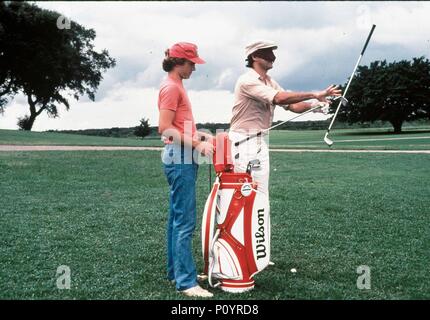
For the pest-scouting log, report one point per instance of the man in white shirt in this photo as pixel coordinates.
(256, 94)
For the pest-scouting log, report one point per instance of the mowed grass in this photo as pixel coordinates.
(104, 213)
(412, 138)
(15, 137)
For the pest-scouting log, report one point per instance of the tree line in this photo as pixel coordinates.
(152, 131)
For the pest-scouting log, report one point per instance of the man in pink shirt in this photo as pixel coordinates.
(177, 126)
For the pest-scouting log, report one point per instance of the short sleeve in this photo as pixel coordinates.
(259, 91)
(169, 98)
(280, 89)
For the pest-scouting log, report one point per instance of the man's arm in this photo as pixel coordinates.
(165, 120)
(165, 124)
(284, 97)
(300, 107)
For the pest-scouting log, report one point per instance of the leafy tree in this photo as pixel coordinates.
(143, 129)
(46, 60)
(395, 92)
(7, 87)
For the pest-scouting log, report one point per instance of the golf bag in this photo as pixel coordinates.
(235, 225)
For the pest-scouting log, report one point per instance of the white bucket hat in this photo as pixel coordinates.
(263, 44)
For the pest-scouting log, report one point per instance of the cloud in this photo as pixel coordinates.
(123, 106)
(138, 33)
(319, 43)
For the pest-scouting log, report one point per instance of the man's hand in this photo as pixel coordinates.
(330, 91)
(205, 149)
(324, 107)
(203, 136)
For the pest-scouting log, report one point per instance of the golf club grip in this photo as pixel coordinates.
(368, 39)
(248, 138)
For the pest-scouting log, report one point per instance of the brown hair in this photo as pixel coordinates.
(249, 61)
(169, 63)
(266, 54)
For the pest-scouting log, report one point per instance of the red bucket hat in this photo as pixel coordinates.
(185, 50)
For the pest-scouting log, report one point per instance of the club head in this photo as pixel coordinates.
(253, 164)
(327, 140)
(344, 101)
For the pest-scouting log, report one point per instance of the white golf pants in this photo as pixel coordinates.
(255, 148)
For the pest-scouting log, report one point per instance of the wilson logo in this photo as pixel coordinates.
(259, 236)
(246, 189)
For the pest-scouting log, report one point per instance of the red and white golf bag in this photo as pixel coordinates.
(235, 225)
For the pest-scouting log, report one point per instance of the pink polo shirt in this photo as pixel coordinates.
(253, 102)
(172, 96)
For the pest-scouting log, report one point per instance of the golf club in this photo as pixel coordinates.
(343, 101)
(277, 125)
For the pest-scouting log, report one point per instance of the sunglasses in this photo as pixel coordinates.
(266, 54)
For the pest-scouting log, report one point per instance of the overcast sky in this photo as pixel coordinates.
(319, 43)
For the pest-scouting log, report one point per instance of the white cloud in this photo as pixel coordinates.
(227, 76)
(318, 42)
(123, 107)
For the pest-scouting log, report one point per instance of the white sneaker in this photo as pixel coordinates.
(197, 291)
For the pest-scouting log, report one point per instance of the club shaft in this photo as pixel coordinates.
(344, 93)
(350, 78)
(299, 115)
(277, 125)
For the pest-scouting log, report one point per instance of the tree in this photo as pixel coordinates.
(143, 129)
(7, 87)
(395, 92)
(45, 60)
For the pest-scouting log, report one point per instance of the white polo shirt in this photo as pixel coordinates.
(253, 102)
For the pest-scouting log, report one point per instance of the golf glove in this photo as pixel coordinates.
(324, 107)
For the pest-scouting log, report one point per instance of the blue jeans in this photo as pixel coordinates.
(182, 216)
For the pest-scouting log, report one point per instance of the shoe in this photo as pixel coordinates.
(202, 277)
(197, 291)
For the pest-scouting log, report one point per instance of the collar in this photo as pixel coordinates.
(255, 74)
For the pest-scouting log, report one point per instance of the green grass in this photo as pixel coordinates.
(412, 138)
(104, 215)
(15, 137)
